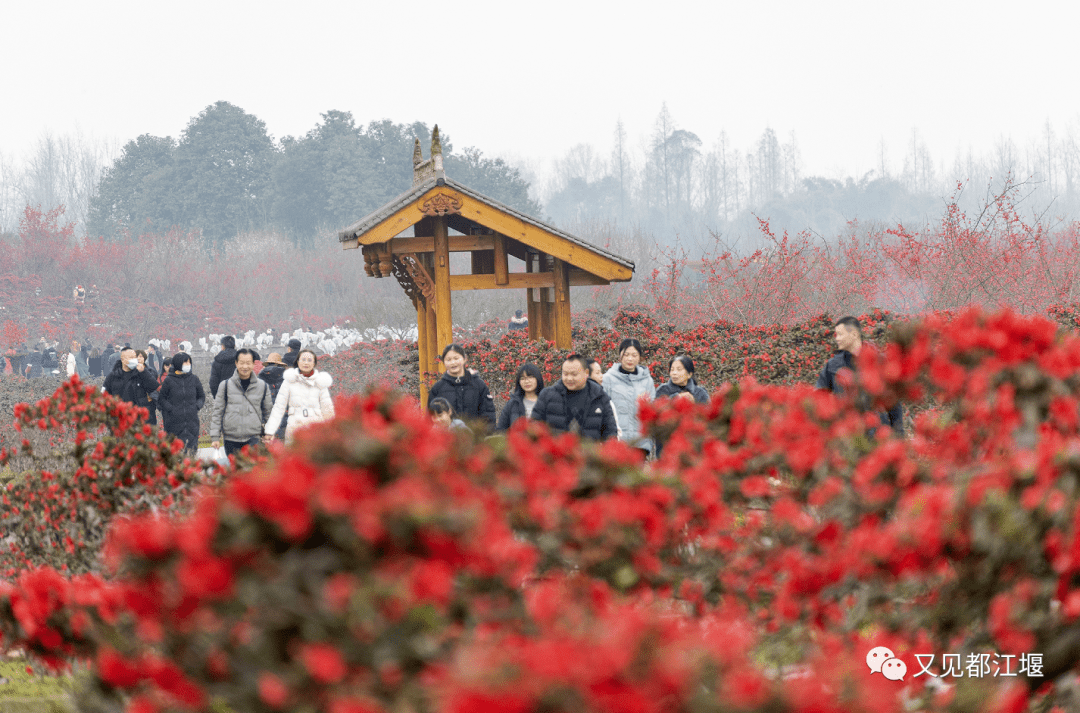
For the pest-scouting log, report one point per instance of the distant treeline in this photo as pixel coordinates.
(225, 176)
(671, 182)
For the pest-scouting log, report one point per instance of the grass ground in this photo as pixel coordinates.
(23, 692)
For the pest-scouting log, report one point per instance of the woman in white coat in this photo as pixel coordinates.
(304, 395)
(626, 381)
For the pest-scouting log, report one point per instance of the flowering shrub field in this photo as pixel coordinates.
(385, 564)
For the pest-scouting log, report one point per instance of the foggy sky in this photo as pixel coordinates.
(530, 80)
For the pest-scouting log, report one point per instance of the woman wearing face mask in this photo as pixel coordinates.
(626, 381)
(466, 392)
(527, 384)
(304, 395)
(180, 400)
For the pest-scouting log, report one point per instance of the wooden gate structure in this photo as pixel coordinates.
(444, 217)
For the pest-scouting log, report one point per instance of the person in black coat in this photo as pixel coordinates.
(129, 380)
(848, 335)
(225, 363)
(181, 399)
(681, 381)
(291, 355)
(577, 403)
(680, 384)
(466, 392)
(273, 373)
(528, 383)
(34, 362)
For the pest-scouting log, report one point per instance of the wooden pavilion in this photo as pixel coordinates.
(444, 216)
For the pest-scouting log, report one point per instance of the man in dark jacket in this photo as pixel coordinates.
(291, 355)
(849, 343)
(180, 401)
(225, 363)
(577, 403)
(129, 380)
(273, 373)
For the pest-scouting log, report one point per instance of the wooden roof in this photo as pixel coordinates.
(438, 195)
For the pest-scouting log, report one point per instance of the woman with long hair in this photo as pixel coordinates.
(625, 382)
(466, 392)
(528, 382)
(304, 395)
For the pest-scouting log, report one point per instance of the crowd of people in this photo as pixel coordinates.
(599, 404)
(290, 392)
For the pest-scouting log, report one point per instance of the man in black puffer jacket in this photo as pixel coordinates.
(849, 343)
(577, 403)
(180, 401)
(129, 380)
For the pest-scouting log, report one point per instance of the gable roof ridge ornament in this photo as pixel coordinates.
(436, 157)
(422, 169)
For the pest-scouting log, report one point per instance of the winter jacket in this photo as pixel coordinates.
(180, 400)
(512, 411)
(700, 395)
(291, 357)
(468, 394)
(33, 360)
(223, 367)
(111, 362)
(94, 364)
(518, 324)
(49, 361)
(69, 365)
(842, 359)
(305, 398)
(239, 415)
(552, 409)
(274, 377)
(624, 390)
(132, 386)
(82, 364)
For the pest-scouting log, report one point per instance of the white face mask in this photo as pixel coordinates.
(186, 367)
(132, 363)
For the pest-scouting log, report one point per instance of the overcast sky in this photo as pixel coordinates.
(530, 80)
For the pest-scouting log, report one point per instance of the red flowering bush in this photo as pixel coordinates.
(84, 457)
(383, 563)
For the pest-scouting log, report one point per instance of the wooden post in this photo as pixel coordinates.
(433, 350)
(530, 303)
(502, 267)
(563, 338)
(547, 310)
(443, 318)
(422, 347)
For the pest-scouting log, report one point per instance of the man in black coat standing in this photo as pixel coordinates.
(577, 403)
(849, 343)
(129, 380)
(291, 355)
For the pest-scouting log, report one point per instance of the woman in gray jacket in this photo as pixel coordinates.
(625, 382)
